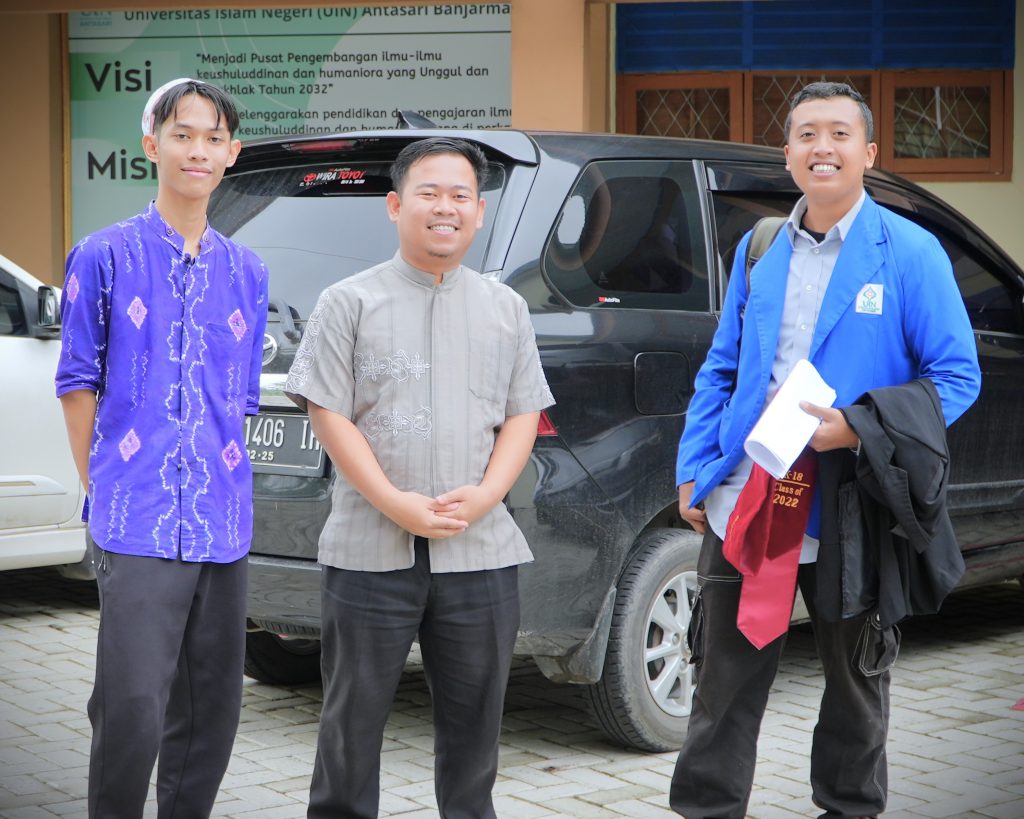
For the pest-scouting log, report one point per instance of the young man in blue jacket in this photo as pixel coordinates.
(870, 299)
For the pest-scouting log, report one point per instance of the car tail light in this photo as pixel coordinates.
(545, 428)
(320, 146)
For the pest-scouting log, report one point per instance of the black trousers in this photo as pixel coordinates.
(467, 624)
(169, 659)
(714, 773)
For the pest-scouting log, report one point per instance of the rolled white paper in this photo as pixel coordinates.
(783, 430)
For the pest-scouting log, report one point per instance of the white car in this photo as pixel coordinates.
(41, 496)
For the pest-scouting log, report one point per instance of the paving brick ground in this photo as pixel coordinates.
(956, 746)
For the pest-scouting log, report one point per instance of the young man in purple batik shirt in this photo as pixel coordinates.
(163, 322)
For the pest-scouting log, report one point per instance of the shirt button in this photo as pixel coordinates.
(809, 288)
(817, 250)
(803, 326)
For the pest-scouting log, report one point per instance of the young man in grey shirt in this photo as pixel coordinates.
(423, 383)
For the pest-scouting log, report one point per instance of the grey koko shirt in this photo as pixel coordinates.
(427, 373)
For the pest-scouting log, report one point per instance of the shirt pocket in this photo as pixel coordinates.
(491, 360)
(224, 343)
(226, 363)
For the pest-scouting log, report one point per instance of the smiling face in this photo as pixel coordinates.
(191, 150)
(437, 212)
(827, 152)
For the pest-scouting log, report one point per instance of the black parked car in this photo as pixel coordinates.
(621, 245)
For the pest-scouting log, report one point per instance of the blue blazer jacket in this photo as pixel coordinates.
(892, 313)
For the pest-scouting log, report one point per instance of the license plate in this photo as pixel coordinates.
(283, 444)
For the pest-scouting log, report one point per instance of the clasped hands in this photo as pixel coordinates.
(443, 516)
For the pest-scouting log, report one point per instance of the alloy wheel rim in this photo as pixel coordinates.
(666, 653)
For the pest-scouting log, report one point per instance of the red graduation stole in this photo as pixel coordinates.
(763, 539)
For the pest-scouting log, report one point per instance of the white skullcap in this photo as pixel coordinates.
(147, 112)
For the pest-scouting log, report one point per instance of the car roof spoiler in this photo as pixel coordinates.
(511, 144)
(412, 119)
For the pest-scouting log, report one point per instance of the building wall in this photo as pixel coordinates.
(32, 144)
(560, 81)
(997, 206)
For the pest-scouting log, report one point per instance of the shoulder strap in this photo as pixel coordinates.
(765, 231)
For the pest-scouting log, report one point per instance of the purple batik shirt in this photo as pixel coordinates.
(172, 346)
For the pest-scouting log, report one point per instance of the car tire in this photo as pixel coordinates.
(280, 660)
(645, 693)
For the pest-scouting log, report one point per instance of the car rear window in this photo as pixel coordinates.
(631, 234)
(314, 225)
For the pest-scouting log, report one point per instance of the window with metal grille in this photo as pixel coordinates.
(946, 122)
(697, 106)
(770, 95)
(937, 76)
(929, 125)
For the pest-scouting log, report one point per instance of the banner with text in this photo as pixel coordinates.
(311, 71)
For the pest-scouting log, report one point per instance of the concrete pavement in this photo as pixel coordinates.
(956, 743)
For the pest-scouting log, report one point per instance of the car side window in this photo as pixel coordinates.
(631, 234)
(12, 314)
(735, 214)
(992, 305)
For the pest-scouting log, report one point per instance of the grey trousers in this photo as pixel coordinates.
(467, 624)
(169, 660)
(714, 773)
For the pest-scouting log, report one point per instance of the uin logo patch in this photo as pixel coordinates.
(869, 299)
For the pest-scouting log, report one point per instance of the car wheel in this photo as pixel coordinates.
(645, 693)
(281, 660)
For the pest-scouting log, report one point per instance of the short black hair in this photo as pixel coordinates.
(827, 91)
(431, 146)
(225, 106)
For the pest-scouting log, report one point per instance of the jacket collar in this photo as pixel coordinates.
(859, 260)
(840, 228)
